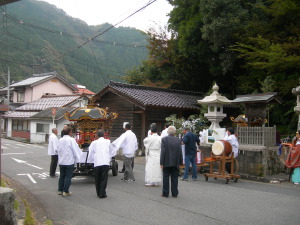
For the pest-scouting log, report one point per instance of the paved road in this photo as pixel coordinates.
(199, 202)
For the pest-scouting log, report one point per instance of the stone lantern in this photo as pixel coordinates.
(215, 103)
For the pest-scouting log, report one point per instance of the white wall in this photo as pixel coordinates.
(9, 127)
(39, 137)
(54, 86)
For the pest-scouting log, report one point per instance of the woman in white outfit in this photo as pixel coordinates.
(152, 150)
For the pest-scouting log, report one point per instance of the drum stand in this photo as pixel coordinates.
(222, 160)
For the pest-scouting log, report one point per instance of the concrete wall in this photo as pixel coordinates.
(7, 212)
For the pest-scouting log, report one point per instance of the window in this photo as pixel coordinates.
(20, 125)
(21, 96)
(42, 128)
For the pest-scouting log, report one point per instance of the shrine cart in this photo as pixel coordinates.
(87, 121)
(221, 154)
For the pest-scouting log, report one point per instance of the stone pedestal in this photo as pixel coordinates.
(7, 212)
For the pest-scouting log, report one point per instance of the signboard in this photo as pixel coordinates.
(53, 114)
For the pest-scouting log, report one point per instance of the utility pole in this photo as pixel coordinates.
(8, 87)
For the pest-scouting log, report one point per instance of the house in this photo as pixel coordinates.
(32, 120)
(35, 87)
(83, 90)
(141, 106)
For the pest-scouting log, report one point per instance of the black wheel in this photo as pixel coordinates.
(114, 168)
(227, 181)
(215, 178)
(206, 178)
(236, 179)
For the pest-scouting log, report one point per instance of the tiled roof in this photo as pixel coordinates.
(84, 91)
(30, 80)
(154, 97)
(265, 97)
(39, 78)
(17, 114)
(47, 113)
(49, 102)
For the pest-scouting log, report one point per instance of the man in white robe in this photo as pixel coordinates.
(128, 142)
(231, 138)
(164, 133)
(100, 154)
(153, 171)
(52, 150)
(68, 154)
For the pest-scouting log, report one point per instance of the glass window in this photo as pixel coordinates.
(21, 96)
(42, 128)
(15, 124)
(25, 125)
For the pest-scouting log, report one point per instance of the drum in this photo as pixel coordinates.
(220, 147)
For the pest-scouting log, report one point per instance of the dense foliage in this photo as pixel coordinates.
(248, 46)
(30, 41)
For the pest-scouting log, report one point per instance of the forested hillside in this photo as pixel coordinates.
(38, 37)
(250, 46)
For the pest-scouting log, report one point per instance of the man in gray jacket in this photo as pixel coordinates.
(170, 160)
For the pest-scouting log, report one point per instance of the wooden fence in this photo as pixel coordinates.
(264, 136)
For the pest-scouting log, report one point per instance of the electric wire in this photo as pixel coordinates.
(62, 33)
(106, 30)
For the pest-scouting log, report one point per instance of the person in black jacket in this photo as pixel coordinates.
(170, 160)
(190, 141)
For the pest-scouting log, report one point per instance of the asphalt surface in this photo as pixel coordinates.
(199, 202)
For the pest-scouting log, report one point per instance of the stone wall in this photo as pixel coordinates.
(7, 212)
(256, 160)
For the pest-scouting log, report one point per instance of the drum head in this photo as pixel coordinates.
(218, 148)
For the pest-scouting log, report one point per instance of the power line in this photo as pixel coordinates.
(112, 26)
(62, 33)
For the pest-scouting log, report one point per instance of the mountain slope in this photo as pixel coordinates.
(38, 37)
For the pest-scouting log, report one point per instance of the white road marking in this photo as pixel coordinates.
(4, 147)
(30, 177)
(14, 153)
(21, 161)
(77, 178)
(21, 145)
(36, 146)
(42, 175)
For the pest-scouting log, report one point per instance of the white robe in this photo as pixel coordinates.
(53, 145)
(128, 142)
(99, 152)
(153, 172)
(234, 143)
(68, 151)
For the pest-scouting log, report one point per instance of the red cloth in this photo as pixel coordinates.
(293, 159)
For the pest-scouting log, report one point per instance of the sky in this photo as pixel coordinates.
(95, 12)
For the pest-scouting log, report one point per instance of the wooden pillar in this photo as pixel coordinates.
(143, 134)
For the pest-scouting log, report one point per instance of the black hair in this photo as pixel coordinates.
(167, 125)
(153, 128)
(100, 133)
(67, 130)
(231, 130)
(127, 126)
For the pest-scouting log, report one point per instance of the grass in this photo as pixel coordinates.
(16, 205)
(29, 220)
(3, 184)
(48, 222)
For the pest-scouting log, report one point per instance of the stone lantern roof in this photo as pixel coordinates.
(215, 97)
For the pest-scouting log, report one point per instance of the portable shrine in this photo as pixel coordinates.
(87, 121)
